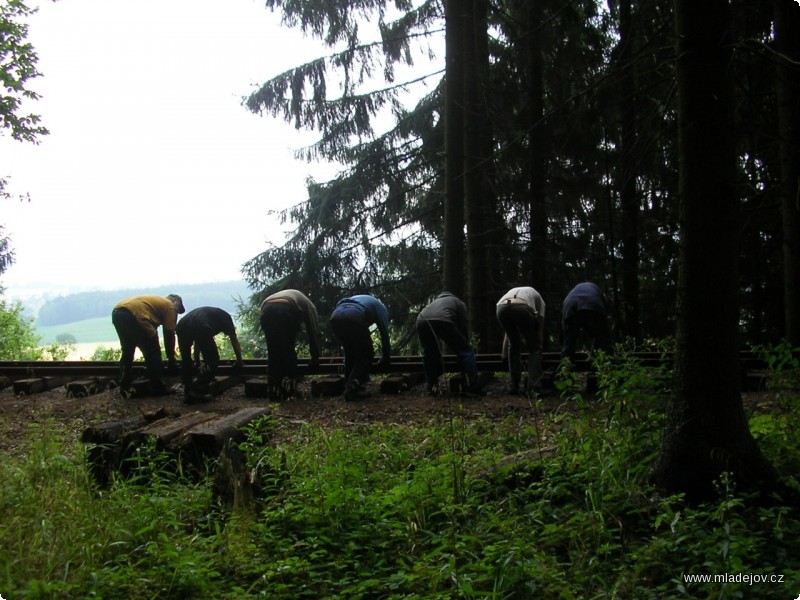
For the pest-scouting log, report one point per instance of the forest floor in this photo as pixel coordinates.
(20, 412)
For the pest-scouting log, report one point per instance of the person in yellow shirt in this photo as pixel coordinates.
(136, 320)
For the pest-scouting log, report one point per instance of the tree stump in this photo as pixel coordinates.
(232, 488)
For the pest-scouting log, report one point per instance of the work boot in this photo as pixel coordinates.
(289, 388)
(351, 391)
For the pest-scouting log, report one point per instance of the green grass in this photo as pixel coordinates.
(401, 511)
(393, 511)
(99, 329)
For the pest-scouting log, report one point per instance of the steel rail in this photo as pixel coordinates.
(334, 365)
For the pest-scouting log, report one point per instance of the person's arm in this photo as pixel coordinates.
(237, 348)
(462, 321)
(383, 329)
(169, 322)
(312, 333)
(169, 346)
(541, 332)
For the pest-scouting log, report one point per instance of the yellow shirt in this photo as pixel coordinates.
(152, 311)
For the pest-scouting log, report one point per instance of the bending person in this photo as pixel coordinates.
(136, 320)
(197, 329)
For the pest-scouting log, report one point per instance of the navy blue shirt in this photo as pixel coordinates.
(584, 296)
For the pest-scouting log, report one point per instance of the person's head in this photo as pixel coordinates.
(177, 302)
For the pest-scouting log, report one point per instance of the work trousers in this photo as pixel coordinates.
(133, 335)
(430, 332)
(522, 325)
(202, 338)
(349, 324)
(280, 322)
(594, 323)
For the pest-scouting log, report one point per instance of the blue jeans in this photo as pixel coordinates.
(349, 324)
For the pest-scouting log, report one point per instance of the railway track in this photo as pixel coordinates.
(13, 370)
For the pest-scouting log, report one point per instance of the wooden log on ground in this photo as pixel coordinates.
(256, 388)
(394, 384)
(327, 386)
(111, 432)
(222, 384)
(166, 434)
(83, 388)
(35, 385)
(208, 439)
(104, 454)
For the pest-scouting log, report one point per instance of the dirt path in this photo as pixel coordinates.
(19, 413)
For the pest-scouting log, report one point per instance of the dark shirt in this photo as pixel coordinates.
(584, 296)
(206, 318)
(310, 317)
(446, 307)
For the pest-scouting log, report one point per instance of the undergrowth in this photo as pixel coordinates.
(556, 507)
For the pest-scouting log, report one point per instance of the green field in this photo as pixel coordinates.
(99, 329)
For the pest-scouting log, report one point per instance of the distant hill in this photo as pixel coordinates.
(84, 306)
(99, 329)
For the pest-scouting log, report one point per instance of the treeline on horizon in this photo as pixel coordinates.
(89, 305)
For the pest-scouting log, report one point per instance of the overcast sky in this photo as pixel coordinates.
(153, 172)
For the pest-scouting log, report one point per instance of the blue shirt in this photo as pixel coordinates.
(376, 313)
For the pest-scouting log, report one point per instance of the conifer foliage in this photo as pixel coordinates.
(580, 180)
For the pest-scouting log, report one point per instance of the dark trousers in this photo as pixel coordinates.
(430, 332)
(349, 324)
(522, 325)
(281, 323)
(131, 336)
(594, 324)
(203, 340)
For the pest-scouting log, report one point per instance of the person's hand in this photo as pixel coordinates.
(237, 367)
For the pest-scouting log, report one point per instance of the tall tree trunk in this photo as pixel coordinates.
(453, 244)
(476, 169)
(787, 41)
(538, 148)
(707, 431)
(629, 197)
